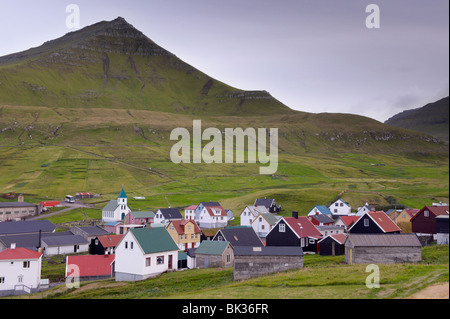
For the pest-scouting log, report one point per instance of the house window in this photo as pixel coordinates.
(26, 264)
(282, 228)
(342, 204)
(2, 280)
(228, 258)
(260, 219)
(335, 210)
(126, 245)
(426, 213)
(148, 262)
(336, 204)
(219, 238)
(20, 278)
(366, 222)
(160, 260)
(262, 226)
(131, 245)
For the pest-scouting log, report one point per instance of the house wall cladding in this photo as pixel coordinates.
(246, 267)
(212, 261)
(382, 255)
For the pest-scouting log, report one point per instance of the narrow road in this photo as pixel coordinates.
(69, 208)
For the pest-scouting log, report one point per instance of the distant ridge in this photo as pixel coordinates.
(432, 119)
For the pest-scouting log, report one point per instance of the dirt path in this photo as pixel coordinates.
(437, 291)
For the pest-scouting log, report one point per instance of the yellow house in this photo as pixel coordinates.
(185, 233)
(406, 215)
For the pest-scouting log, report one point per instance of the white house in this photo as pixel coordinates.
(116, 209)
(144, 253)
(364, 209)
(249, 214)
(165, 215)
(340, 207)
(189, 212)
(319, 209)
(20, 270)
(263, 223)
(211, 215)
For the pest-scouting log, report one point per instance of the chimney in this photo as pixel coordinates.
(13, 245)
(20, 198)
(295, 214)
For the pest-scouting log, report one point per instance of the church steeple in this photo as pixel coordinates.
(122, 198)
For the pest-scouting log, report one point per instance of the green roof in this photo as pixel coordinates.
(154, 240)
(211, 247)
(122, 194)
(148, 214)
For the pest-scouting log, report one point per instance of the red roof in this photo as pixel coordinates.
(179, 225)
(349, 219)
(211, 209)
(110, 240)
(435, 210)
(339, 237)
(192, 207)
(308, 230)
(19, 253)
(384, 221)
(90, 265)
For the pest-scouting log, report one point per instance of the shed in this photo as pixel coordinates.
(332, 245)
(382, 248)
(212, 254)
(90, 267)
(442, 227)
(252, 262)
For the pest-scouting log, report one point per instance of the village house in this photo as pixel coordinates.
(424, 222)
(27, 227)
(330, 230)
(113, 227)
(20, 271)
(321, 220)
(89, 232)
(89, 267)
(376, 222)
(320, 209)
(144, 253)
(62, 245)
(263, 223)
(346, 221)
(250, 262)
(211, 215)
(18, 210)
(139, 218)
(442, 227)
(165, 215)
(340, 207)
(294, 231)
(332, 245)
(116, 209)
(189, 212)
(185, 233)
(212, 254)
(364, 209)
(249, 214)
(104, 245)
(382, 248)
(239, 236)
(270, 204)
(405, 215)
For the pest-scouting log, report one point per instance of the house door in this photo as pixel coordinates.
(74, 248)
(206, 261)
(170, 261)
(186, 246)
(350, 256)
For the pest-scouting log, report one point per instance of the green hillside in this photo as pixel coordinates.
(430, 119)
(94, 110)
(113, 65)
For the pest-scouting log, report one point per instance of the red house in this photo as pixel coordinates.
(424, 222)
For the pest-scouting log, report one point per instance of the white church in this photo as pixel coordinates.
(116, 209)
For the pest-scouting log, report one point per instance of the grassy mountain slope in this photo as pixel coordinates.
(113, 65)
(430, 119)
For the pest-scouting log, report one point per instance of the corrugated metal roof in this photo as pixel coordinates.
(211, 247)
(64, 240)
(32, 226)
(384, 240)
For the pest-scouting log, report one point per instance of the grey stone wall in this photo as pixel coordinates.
(246, 267)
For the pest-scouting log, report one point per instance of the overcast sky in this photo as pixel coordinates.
(312, 55)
